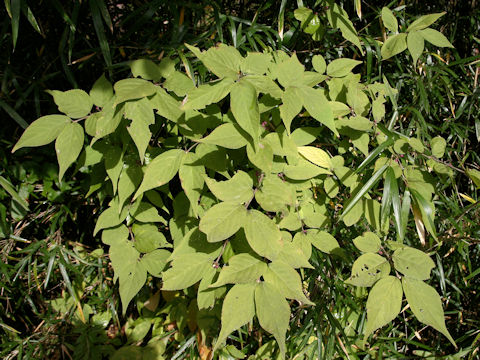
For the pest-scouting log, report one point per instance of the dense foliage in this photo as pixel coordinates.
(312, 193)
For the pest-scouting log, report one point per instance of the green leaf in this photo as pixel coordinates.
(148, 238)
(290, 71)
(114, 164)
(368, 185)
(286, 280)
(146, 69)
(241, 269)
(237, 310)
(244, 106)
(291, 106)
(273, 313)
(179, 83)
(424, 21)
(304, 170)
(415, 45)
(205, 295)
(436, 38)
(146, 212)
(222, 60)
(261, 156)
(222, 221)
(426, 305)
(438, 145)
(319, 64)
(161, 170)
(262, 234)
(200, 97)
(390, 181)
(413, 263)
(265, 85)
(166, 105)
(236, 190)
(108, 119)
(316, 156)
(394, 45)
(130, 177)
(367, 243)
(68, 145)
(275, 194)
(8, 187)
(227, 135)
(131, 89)
(109, 217)
(116, 234)
(474, 175)
(317, 106)
(191, 176)
(383, 304)
(42, 131)
(73, 103)
(322, 240)
(130, 272)
(389, 20)
(427, 211)
(141, 114)
(341, 67)
(367, 269)
(338, 18)
(186, 270)
(102, 91)
(256, 63)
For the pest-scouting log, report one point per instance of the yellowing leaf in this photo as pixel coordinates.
(316, 156)
(426, 305)
(383, 304)
(413, 263)
(273, 312)
(237, 310)
(262, 234)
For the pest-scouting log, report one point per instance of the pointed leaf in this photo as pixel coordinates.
(42, 131)
(237, 190)
(413, 263)
(244, 105)
(241, 269)
(341, 67)
(237, 310)
(415, 45)
(317, 106)
(130, 89)
(222, 221)
(102, 91)
(262, 234)
(367, 269)
(227, 135)
(389, 20)
(383, 304)
(68, 145)
(74, 103)
(206, 94)
(367, 243)
(426, 305)
(436, 38)
(394, 45)
(186, 270)
(161, 170)
(273, 313)
(424, 21)
(316, 156)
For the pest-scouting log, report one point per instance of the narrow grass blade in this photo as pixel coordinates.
(15, 6)
(13, 114)
(368, 185)
(9, 189)
(427, 212)
(100, 31)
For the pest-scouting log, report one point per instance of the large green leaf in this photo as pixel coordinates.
(436, 38)
(73, 103)
(68, 145)
(394, 45)
(237, 310)
(141, 114)
(244, 106)
(237, 190)
(101, 92)
(316, 156)
(131, 89)
(227, 135)
(286, 280)
(186, 270)
(291, 106)
(389, 20)
(426, 305)
(413, 263)
(383, 304)
(273, 312)
(191, 176)
(367, 269)
(222, 60)
(367, 243)
(206, 94)
(161, 170)
(317, 106)
(415, 45)
(42, 131)
(341, 67)
(241, 269)
(262, 234)
(146, 69)
(424, 21)
(222, 220)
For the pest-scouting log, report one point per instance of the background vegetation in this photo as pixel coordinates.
(49, 256)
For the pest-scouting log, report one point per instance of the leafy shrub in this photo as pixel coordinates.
(220, 181)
